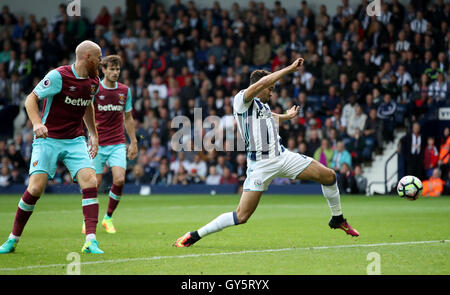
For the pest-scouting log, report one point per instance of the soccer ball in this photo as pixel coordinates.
(409, 187)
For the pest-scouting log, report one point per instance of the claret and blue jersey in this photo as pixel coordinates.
(66, 97)
(109, 104)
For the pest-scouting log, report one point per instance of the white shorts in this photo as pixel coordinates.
(261, 173)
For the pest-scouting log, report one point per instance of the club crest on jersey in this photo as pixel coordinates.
(35, 163)
(262, 114)
(93, 89)
(46, 82)
(121, 98)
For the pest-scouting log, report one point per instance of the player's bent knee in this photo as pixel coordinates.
(119, 181)
(329, 177)
(243, 217)
(87, 178)
(36, 189)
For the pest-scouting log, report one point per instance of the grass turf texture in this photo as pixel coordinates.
(147, 227)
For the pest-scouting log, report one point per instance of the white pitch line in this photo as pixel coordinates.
(225, 253)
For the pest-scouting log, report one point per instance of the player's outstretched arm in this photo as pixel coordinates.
(129, 126)
(32, 107)
(267, 81)
(89, 121)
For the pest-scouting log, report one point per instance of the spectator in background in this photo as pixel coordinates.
(433, 71)
(431, 157)
(324, 154)
(103, 18)
(356, 148)
(16, 177)
(434, 186)
(181, 176)
(213, 178)
(419, 24)
(346, 181)
(163, 176)
(156, 152)
(403, 77)
(158, 86)
(15, 157)
(341, 156)
(402, 44)
(348, 111)
(313, 141)
(444, 151)
(330, 71)
(361, 181)
(386, 112)
(228, 177)
(180, 161)
(330, 101)
(356, 121)
(198, 168)
(240, 170)
(438, 90)
(139, 176)
(412, 147)
(222, 164)
(5, 176)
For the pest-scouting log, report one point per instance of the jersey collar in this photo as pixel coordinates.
(104, 86)
(75, 73)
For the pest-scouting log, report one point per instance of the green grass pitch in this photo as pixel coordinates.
(282, 237)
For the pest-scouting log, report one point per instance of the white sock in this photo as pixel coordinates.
(222, 221)
(331, 192)
(90, 237)
(11, 236)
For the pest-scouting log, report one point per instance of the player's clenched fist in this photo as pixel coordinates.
(93, 146)
(40, 130)
(296, 65)
(132, 151)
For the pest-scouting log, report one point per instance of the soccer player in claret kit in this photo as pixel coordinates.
(268, 159)
(112, 104)
(68, 92)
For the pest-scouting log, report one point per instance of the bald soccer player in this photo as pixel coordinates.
(58, 135)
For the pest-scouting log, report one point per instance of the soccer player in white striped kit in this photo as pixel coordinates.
(268, 159)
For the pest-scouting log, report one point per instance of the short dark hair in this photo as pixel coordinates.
(256, 75)
(113, 60)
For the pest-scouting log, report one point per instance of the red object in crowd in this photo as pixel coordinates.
(431, 157)
(302, 121)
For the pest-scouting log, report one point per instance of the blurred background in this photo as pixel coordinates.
(373, 91)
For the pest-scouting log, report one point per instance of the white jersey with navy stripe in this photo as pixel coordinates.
(257, 128)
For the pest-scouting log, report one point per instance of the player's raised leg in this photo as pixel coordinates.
(25, 208)
(327, 178)
(247, 205)
(88, 183)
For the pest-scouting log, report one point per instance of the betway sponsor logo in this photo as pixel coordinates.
(110, 107)
(81, 102)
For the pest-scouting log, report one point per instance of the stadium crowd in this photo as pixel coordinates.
(363, 78)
